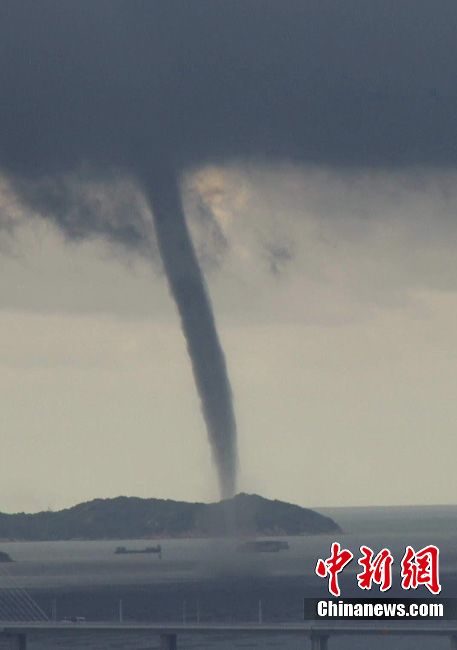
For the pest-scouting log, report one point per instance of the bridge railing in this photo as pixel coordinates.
(13, 636)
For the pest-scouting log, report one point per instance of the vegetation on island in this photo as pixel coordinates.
(133, 517)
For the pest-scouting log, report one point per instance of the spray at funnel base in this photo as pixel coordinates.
(187, 286)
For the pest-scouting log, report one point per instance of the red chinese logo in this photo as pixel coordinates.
(334, 565)
(377, 570)
(421, 568)
(418, 568)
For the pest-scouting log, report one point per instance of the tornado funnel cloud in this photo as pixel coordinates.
(187, 285)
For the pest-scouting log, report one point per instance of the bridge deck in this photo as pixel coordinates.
(441, 628)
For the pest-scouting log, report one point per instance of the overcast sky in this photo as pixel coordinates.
(336, 303)
(314, 145)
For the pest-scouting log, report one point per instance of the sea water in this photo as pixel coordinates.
(209, 580)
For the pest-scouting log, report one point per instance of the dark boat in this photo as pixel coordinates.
(263, 546)
(123, 550)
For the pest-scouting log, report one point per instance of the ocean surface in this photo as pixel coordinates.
(210, 581)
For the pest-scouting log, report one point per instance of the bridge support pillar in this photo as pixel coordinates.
(319, 641)
(168, 641)
(13, 641)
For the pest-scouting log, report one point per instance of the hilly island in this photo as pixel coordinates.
(133, 517)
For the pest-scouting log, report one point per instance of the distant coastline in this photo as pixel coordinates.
(4, 557)
(135, 518)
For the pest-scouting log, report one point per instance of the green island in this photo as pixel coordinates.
(137, 518)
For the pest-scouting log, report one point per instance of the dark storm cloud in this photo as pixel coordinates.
(82, 210)
(133, 88)
(118, 82)
(277, 256)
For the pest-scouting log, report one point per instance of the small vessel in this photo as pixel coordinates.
(123, 550)
(263, 546)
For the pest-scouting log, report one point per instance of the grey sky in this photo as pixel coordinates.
(316, 147)
(342, 364)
